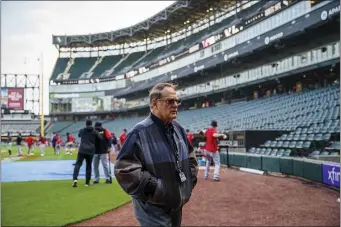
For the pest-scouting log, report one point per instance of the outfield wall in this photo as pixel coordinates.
(315, 170)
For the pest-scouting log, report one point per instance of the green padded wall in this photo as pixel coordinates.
(298, 167)
(270, 163)
(231, 160)
(223, 158)
(240, 160)
(312, 171)
(254, 162)
(286, 165)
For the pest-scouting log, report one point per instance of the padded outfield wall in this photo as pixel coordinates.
(327, 173)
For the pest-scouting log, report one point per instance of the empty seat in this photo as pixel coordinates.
(262, 151)
(267, 143)
(287, 153)
(324, 153)
(268, 151)
(303, 137)
(296, 137)
(326, 137)
(284, 137)
(257, 150)
(334, 153)
(286, 144)
(306, 144)
(318, 137)
(314, 153)
(252, 150)
(273, 144)
(280, 152)
(292, 144)
(290, 137)
(274, 152)
(279, 143)
(299, 145)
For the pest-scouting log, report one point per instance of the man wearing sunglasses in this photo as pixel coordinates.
(157, 165)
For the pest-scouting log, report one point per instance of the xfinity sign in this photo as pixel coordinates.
(331, 174)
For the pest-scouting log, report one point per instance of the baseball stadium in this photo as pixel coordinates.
(268, 72)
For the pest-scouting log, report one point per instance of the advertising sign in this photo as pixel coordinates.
(331, 174)
(15, 98)
(4, 97)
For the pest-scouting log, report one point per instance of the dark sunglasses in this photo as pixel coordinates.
(171, 101)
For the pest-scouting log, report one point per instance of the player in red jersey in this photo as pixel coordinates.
(123, 137)
(211, 150)
(58, 143)
(29, 141)
(42, 141)
(69, 144)
(190, 136)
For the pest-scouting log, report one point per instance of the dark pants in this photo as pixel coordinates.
(150, 215)
(79, 162)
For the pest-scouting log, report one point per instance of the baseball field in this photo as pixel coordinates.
(239, 199)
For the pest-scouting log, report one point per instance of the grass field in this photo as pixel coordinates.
(49, 154)
(56, 203)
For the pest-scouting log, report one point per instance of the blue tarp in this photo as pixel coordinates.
(43, 170)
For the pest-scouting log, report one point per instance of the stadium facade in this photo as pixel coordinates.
(231, 57)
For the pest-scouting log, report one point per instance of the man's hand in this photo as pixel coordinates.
(224, 136)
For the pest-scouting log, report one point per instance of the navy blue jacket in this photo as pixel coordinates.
(145, 167)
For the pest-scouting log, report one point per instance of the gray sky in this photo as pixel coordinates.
(27, 28)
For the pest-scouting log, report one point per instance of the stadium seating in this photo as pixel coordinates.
(24, 127)
(60, 66)
(311, 119)
(107, 63)
(80, 66)
(136, 60)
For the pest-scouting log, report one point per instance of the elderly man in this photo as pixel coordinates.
(157, 165)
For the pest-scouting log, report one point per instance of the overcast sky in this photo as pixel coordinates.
(27, 28)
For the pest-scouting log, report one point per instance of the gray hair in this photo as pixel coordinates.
(156, 91)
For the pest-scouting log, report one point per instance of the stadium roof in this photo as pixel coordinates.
(174, 18)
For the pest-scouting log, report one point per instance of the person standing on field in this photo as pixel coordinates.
(19, 141)
(42, 141)
(157, 165)
(9, 144)
(102, 153)
(211, 150)
(190, 136)
(89, 136)
(123, 137)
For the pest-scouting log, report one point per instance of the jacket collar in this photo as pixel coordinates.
(160, 123)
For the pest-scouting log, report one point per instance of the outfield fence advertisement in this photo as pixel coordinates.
(331, 174)
(15, 99)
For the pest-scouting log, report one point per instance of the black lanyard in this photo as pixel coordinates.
(170, 132)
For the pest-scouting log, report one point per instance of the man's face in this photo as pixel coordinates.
(167, 105)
